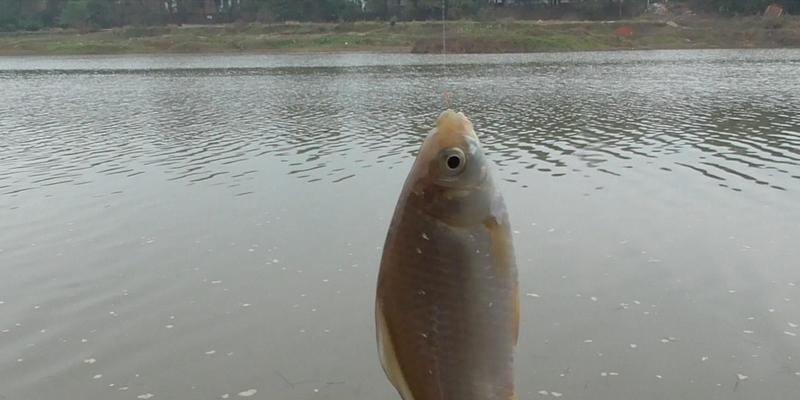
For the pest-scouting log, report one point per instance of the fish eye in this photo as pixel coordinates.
(454, 161)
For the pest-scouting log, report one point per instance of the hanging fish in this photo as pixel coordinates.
(447, 304)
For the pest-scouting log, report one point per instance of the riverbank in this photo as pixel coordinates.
(419, 37)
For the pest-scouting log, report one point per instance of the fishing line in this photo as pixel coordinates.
(445, 94)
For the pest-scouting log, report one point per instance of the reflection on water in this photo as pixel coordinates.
(206, 226)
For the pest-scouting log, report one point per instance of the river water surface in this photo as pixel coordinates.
(205, 227)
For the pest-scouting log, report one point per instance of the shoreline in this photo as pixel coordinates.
(463, 37)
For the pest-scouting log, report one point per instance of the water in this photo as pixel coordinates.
(193, 227)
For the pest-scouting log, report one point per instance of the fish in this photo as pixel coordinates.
(447, 300)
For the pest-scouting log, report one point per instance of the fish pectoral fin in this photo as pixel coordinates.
(388, 356)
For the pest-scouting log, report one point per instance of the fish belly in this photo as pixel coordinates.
(446, 313)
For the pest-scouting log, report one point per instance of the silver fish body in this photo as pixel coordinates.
(447, 304)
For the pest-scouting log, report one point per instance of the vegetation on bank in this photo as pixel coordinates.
(88, 15)
(420, 37)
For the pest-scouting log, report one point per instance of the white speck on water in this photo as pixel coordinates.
(623, 241)
(797, 373)
(425, 236)
(771, 310)
(316, 390)
(326, 330)
(170, 326)
(211, 352)
(792, 284)
(2, 302)
(313, 310)
(704, 358)
(593, 298)
(633, 345)
(532, 295)
(248, 393)
(747, 331)
(122, 389)
(544, 392)
(732, 291)
(275, 261)
(419, 251)
(556, 394)
(587, 341)
(789, 333)
(251, 250)
(89, 361)
(302, 331)
(171, 317)
(43, 331)
(751, 318)
(516, 232)
(792, 325)
(225, 396)
(98, 376)
(216, 282)
(84, 340)
(604, 374)
(20, 360)
(245, 304)
(145, 396)
(551, 230)
(741, 377)
(111, 385)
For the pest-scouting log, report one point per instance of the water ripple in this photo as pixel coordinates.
(558, 117)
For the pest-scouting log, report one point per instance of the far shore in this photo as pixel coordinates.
(504, 36)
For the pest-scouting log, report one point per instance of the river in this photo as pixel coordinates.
(206, 227)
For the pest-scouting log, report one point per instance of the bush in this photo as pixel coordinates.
(30, 24)
(592, 10)
(75, 14)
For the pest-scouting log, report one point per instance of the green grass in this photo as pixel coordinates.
(420, 37)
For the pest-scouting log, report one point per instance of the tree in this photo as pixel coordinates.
(75, 14)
